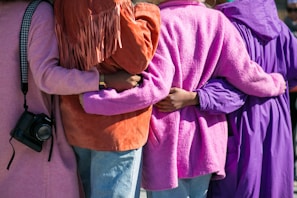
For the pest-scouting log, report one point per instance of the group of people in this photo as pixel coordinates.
(173, 96)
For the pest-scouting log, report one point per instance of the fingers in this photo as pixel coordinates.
(173, 90)
(136, 78)
(165, 105)
(164, 108)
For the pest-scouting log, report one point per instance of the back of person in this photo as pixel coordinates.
(114, 36)
(196, 44)
(44, 174)
(126, 41)
(30, 174)
(261, 129)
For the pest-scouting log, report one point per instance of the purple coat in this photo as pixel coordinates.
(260, 153)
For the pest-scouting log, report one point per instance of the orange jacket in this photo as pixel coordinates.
(140, 27)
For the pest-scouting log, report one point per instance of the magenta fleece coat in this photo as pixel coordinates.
(31, 175)
(196, 44)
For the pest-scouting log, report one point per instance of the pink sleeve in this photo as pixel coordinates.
(43, 59)
(156, 85)
(237, 67)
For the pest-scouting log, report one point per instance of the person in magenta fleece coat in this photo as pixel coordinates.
(259, 152)
(187, 144)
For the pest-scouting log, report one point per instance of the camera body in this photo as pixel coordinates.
(32, 130)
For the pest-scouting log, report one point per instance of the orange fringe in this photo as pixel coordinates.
(97, 40)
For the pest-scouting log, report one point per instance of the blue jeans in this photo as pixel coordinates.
(187, 188)
(110, 174)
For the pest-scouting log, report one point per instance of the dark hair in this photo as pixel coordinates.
(291, 9)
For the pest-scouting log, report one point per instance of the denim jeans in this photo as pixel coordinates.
(187, 188)
(110, 174)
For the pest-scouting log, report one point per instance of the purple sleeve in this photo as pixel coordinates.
(218, 96)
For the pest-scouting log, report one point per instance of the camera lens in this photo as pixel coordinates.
(43, 132)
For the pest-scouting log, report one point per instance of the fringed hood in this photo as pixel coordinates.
(88, 31)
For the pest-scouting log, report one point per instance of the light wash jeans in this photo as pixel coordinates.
(110, 174)
(187, 188)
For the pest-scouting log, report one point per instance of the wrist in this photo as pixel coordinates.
(194, 98)
(197, 100)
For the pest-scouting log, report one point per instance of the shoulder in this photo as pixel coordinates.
(42, 26)
(44, 11)
(43, 17)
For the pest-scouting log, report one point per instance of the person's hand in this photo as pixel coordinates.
(177, 99)
(121, 80)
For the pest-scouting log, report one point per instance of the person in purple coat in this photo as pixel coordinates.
(260, 158)
(260, 153)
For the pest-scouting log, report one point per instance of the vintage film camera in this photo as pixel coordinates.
(32, 130)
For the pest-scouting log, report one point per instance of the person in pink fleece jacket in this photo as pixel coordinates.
(187, 147)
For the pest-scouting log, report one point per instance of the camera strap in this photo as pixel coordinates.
(23, 42)
(25, 27)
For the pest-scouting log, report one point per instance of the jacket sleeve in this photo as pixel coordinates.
(157, 81)
(218, 96)
(111, 102)
(43, 58)
(238, 69)
(139, 35)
